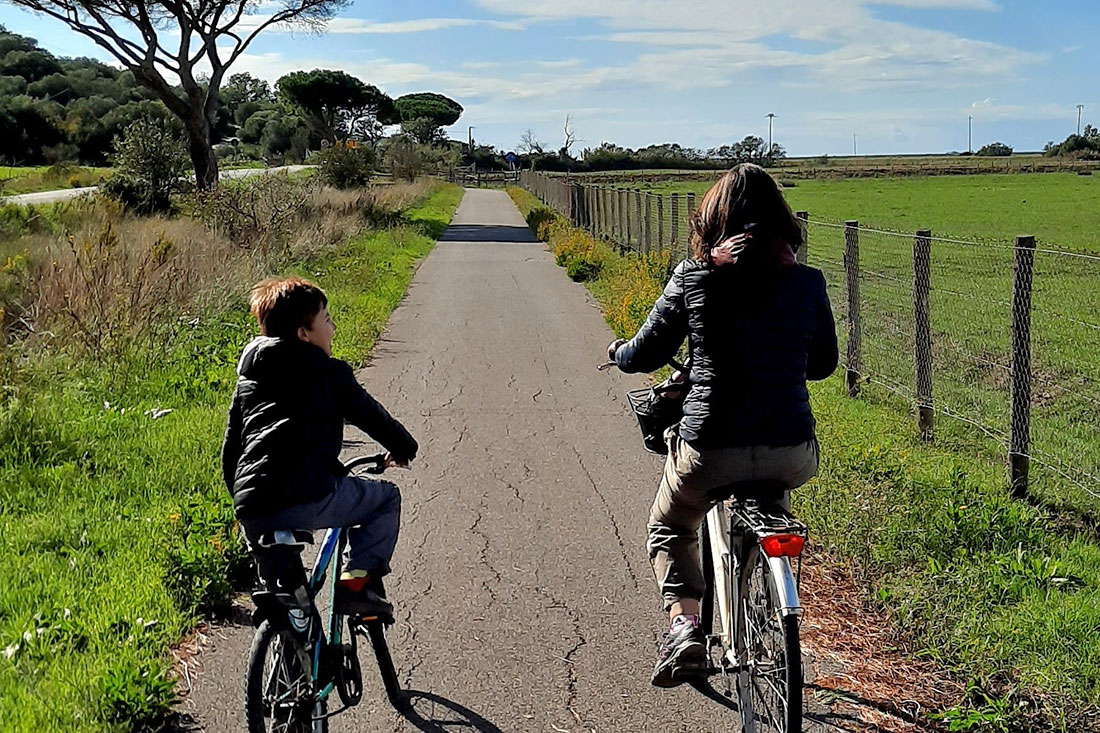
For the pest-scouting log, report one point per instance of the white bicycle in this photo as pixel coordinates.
(750, 611)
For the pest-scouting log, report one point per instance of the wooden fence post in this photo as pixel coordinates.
(648, 245)
(851, 269)
(638, 213)
(922, 329)
(660, 222)
(804, 218)
(674, 237)
(1020, 424)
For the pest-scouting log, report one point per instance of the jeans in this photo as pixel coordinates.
(692, 483)
(371, 510)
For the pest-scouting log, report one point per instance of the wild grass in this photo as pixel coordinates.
(995, 590)
(116, 534)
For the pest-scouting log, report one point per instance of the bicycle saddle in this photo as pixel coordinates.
(286, 538)
(761, 492)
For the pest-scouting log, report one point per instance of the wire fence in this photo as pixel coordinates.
(1000, 336)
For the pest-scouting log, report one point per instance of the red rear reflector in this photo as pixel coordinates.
(783, 545)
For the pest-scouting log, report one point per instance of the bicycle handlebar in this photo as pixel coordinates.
(378, 462)
(671, 362)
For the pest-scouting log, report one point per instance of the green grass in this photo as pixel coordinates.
(32, 179)
(116, 533)
(993, 589)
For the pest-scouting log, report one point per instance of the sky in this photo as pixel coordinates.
(902, 76)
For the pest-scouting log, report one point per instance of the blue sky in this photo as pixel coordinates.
(902, 75)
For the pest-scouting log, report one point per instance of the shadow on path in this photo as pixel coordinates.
(431, 713)
(488, 233)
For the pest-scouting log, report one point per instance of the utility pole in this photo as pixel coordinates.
(1079, 108)
(970, 134)
(470, 133)
(854, 144)
(771, 116)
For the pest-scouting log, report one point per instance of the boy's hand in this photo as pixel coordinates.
(391, 462)
(613, 347)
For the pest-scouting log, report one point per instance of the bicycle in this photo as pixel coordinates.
(752, 593)
(293, 664)
(747, 544)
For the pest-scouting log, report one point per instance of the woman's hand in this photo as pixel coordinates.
(727, 251)
(613, 347)
(391, 462)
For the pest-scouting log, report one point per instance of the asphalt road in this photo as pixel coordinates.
(50, 197)
(524, 596)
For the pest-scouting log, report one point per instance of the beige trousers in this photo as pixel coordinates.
(693, 482)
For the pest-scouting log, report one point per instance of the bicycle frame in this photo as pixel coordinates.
(332, 546)
(729, 553)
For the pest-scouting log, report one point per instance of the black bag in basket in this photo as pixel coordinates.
(658, 408)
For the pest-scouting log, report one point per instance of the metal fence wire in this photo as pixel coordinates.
(1000, 336)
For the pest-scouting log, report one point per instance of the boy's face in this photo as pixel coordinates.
(320, 330)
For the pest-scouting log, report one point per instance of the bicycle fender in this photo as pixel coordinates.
(786, 587)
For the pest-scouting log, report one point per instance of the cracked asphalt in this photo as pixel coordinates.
(524, 597)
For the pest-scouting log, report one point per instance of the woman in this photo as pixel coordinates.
(758, 326)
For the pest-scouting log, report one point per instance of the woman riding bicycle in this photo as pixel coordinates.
(758, 326)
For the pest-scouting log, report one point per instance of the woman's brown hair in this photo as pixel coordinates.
(744, 195)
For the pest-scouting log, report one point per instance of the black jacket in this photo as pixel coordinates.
(754, 336)
(286, 426)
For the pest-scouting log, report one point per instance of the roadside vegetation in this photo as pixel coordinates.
(120, 335)
(999, 593)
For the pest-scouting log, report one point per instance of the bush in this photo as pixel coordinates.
(151, 164)
(346, 167)
(995, 150)
(256, 213)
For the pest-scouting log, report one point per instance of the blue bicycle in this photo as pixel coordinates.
(297, 659)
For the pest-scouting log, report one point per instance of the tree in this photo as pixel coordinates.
(337, 105)
(995, 150)
(424, 114)
(529, 144)
(137, 34)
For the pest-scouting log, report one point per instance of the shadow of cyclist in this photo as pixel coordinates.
(435, 714)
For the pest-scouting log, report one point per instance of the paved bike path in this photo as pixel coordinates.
(524, 596)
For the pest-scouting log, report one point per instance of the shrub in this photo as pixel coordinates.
(346, 167)
(256, 213)
(995, 150)
(537, 217)
(151, 164)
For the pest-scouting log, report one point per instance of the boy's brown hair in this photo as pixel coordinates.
(744, 195)
(282, 305)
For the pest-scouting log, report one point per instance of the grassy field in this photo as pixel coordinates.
(22, 179)
(116, 534)
(993, 589)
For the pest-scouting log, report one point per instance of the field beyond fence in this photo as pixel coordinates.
(991, 342)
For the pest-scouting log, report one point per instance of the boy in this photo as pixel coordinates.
(280, 458)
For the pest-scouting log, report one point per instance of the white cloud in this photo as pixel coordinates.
(358, 26)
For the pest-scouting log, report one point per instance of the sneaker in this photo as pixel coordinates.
(682, 655)
(357, 594)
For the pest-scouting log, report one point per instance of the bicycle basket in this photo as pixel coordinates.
(656, 412)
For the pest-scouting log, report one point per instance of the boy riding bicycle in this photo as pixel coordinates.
(280, 457)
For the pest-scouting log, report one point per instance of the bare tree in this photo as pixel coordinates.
(530, 144)
(570, 136)
(142, 36)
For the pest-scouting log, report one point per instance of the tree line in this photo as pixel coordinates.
(55, 110)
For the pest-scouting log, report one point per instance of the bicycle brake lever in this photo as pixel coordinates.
(605, 366)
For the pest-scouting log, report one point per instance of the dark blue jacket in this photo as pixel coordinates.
(755, 336)
(286, 426)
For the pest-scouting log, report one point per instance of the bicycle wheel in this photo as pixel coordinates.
(769, 685)
(376, 630)
(278, 693)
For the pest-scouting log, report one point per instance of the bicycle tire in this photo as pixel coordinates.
(376, 630)
(769, 642)
(256, 713)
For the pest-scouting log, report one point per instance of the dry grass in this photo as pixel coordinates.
(105, 282)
